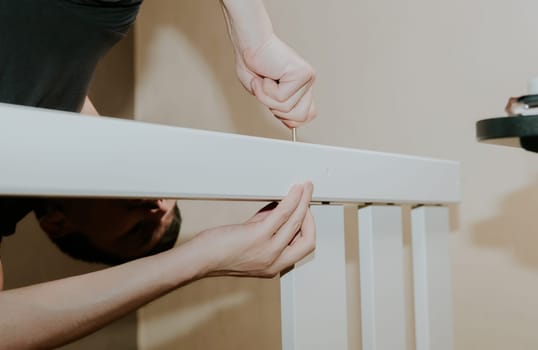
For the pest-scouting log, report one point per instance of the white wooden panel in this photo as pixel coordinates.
(46, 152)
(313, 294)
(432, 278)
(381, 278)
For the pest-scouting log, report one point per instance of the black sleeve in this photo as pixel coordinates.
(114, 15)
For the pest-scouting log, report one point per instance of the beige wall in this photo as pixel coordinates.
(29, 257)
(399, 76)
(183, 78)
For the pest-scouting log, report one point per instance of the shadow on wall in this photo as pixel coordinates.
(30, 258)
(515, 227)
(215, 313)
(202, 25)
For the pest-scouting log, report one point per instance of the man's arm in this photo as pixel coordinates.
(51, 314)
(267, 67)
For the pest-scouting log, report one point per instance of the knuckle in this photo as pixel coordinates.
(313, 75)
(267, 101)
(283, 215)
(303, 118)
(282, 109)
(296, 226)
(300, 117)
(286, 107)
(281, 97)
(312, 242)
(311, 72)
(304, 112)
(270, 273)
(267, 261)
(311, 246)
(313, 114)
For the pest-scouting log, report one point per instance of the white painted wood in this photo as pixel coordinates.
(46, 152)
(313, 294)
(432, 278)
(381, 278)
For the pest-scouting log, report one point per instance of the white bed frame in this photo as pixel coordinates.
(51, 153)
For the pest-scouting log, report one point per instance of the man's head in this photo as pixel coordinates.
(110, 231)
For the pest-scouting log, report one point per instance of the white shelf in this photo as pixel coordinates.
(51, 153)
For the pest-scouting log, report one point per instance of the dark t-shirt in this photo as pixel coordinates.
(48, 52)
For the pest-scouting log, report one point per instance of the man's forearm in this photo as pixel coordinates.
(248, 23)
(51, 314)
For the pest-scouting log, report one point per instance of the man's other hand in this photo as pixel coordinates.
(280, 79)
(272, 240)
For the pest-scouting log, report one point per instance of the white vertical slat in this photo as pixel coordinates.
(313, 294)
(432, 279)
(381, 271)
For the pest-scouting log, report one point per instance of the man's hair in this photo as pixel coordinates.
(78, 246)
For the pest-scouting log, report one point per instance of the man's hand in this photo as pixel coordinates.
(272, 240)
(280, 79)
(267, 67)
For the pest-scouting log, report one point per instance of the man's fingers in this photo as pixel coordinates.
(264, 88)
(287, 231)
(312, 113)
(301, 113)
(303, 244)
(289, 98)
(283, 210)
(292, 82)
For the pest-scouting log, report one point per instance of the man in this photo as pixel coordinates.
(110, 231)
(48, 52)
